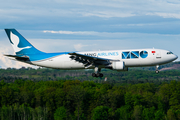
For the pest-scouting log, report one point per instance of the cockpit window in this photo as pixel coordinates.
(169, 53)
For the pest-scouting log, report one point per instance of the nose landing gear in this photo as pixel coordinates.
(157, 71)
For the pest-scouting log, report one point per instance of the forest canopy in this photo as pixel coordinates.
(50, 94)
(73, 99)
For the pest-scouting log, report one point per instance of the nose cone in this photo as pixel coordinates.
(172, 57)
(175, 57)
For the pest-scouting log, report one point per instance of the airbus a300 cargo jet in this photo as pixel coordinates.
(118, 60)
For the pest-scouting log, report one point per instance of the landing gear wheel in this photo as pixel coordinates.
(97, 75)
(100, 75)
(157, 71)
(93, 74)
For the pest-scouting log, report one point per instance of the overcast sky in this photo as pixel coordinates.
(85, 25)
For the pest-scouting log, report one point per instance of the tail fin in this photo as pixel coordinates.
(20, 45)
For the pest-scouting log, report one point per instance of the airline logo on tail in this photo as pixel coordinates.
(15, 42)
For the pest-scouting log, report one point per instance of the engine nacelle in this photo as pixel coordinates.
(119, 66)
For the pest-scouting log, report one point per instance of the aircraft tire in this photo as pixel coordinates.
(100, 75)
(93, 74)
(157, 71)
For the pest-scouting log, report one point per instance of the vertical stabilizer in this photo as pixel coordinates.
(20, 45)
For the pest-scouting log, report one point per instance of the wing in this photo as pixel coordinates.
(88, 61)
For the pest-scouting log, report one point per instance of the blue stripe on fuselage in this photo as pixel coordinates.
(43, 56)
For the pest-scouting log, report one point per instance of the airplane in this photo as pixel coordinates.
(119, 60)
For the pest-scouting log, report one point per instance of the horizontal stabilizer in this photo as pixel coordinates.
(23, 58)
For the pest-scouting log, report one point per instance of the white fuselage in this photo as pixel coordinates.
(131, 58)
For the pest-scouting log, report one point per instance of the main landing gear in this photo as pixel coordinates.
(97, 75)
(157, 71)
(97, 72)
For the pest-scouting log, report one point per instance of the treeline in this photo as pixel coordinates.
(87, 100)
(133, 76)
(176, 65)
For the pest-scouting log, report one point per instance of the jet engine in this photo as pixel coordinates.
(119, 66)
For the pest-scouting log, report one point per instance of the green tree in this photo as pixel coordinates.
(159, 115)
(7, 96)
(178, 114)
(60, 97)
(148, 113)
(137, 112)
(116, 97)
(49, 99)
(171, 115)
(5, 113)
(123, 113)
(100, 113)
(60, 113)
(77, 94)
